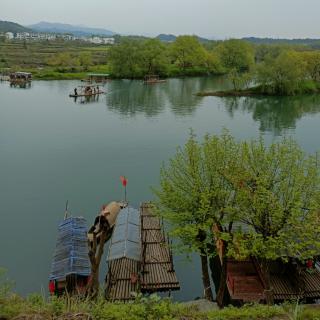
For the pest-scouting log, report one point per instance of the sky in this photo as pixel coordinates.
(218, 19)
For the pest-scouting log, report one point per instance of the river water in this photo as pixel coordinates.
(54, 148)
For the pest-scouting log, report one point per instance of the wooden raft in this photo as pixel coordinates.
(122, 280)
(152, 273)
(157, 270)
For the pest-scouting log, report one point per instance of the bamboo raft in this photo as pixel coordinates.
(157, 262)
(143, 261)
(85, 94)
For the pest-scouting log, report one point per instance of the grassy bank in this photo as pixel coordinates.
(38, 307)
(39, 59)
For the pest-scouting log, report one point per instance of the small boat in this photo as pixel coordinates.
(70, 268)
(86, 91)
(152, 78)
(16, 77)
(86, 94)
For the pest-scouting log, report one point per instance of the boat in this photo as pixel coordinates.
(98, 77)
(153, 78)
(70, 268)
(20, 77)
(86, 91)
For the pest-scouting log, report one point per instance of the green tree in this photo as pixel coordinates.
(236, 54)
(282, 75)
(277, 197)
(125, 59)
(194, 194)
(187, 52)
(154, 57)
(85, 60)
(312, 59)
(209, 188)
(240, 80)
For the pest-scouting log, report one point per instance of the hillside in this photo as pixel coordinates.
(171, 38)
(68, 28)
(315, 43)
(8, 26)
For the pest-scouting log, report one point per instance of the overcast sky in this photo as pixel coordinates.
(210, 18)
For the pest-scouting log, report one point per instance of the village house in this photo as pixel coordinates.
(37, 36)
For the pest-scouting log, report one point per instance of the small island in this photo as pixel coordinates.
(258, 91)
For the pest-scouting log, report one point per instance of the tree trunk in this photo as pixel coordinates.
(206, 277)
(221, 292)
(95, 255)
(222, 282)
(268, 291)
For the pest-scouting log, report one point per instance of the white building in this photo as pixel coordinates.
(9, 35)
(108, 40)
(22, 35)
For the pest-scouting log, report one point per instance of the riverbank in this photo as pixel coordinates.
(36, 306)
(306, 87)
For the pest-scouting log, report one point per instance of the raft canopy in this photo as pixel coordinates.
(126, 239)
(71, 252)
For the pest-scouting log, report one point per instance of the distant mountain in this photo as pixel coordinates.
(68, 28)
(8, 26)
(307, 41)
(171, 38)
(166, 37)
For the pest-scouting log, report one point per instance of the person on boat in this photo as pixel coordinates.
(94, 90)
(75, 91)
(97, 89)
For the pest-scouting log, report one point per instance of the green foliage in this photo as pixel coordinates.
(282, 75)
(188, 52)
(125, 59)
(236, 54)
(240, 80)
(63, 62)
(312, 59)
(277, 191)
(260, 312)
(154, 57)
(271, 192)
(85, 60)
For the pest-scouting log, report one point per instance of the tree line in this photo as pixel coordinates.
(276, 69)
(258, 201)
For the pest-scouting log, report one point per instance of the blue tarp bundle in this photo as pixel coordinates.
(71, 252)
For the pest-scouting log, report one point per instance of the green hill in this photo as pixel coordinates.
(7, 26)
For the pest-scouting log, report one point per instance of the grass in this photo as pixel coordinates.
(34, 56)
(38, 306)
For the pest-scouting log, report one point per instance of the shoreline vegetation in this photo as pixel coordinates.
(37, 306)
(310, 87)
(277, 69)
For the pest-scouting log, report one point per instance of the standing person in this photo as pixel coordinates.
(75, 91)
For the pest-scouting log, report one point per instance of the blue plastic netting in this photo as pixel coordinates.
(71, 252)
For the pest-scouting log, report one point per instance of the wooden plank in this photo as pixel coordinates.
(157, 260)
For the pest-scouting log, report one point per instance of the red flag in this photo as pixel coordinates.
(124, 181)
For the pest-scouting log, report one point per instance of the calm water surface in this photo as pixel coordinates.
(53, 148)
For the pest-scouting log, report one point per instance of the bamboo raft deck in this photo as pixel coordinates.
(153, 271)
(157, 272)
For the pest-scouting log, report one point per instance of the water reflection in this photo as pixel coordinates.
(87, 99)
(21, 85)
(133, 97)
(275, 114)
